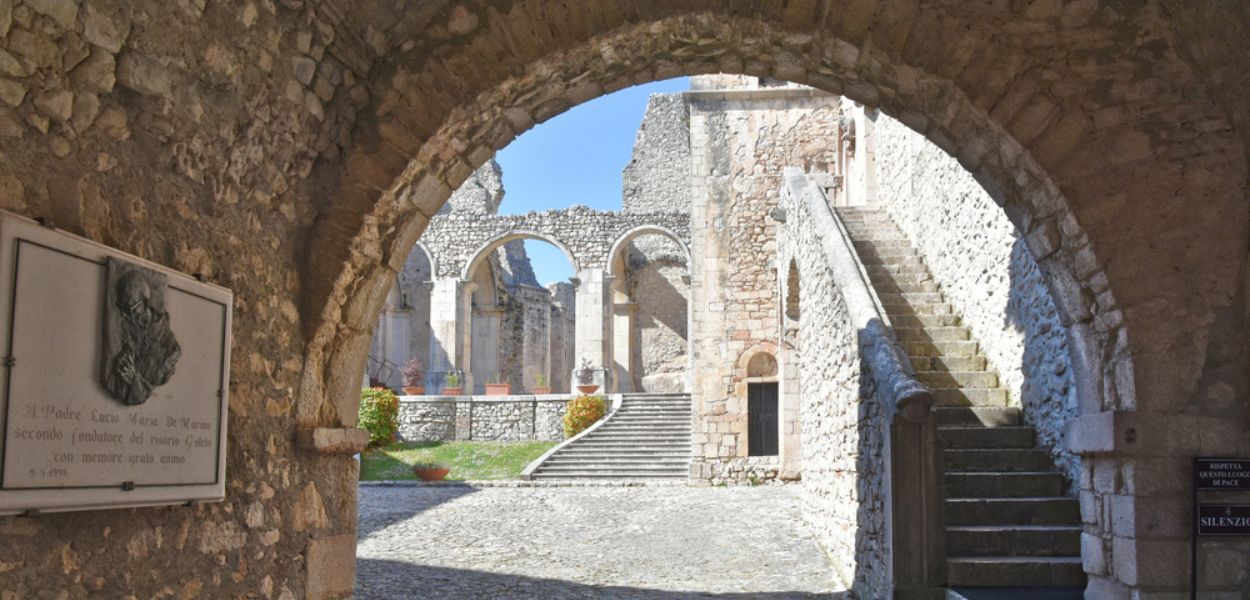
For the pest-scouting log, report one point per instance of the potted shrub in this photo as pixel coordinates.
(451, 385)
(586, 378)
(540, 385)
(497, 388)
(431, 471)
(414, 378)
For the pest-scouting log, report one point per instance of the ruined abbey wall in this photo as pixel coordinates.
(986, 271)
(741, 140)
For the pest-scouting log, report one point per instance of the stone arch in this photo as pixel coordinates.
(1037, 126)
(430, 259)
(495, 242)
(758, 361)
(622, 242)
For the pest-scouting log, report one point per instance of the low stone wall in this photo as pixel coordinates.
(482, 418)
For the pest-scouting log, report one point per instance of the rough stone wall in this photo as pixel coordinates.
(480, 194)
(739, 147)
(659, 284)
(986, 271)
(494, 419)
(842, 429)
(536, 313)
(588, 234)
(563, 328)
(657, 178)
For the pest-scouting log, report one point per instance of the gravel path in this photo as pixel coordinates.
(579, 542)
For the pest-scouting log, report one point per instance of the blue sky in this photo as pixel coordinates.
(575, 158)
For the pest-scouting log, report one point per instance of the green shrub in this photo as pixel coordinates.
(379, 414)
(582, 412)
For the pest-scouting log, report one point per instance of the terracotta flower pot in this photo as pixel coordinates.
(498, 389)
(587, 389)
(429, 474)
(540, 390)
(414, 390)
(453, 391)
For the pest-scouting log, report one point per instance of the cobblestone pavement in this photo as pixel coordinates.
(587, 542)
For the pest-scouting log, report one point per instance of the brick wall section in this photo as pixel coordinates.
(987, 272)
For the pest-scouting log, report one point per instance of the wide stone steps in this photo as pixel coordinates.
(1026, 540)
(1009, 522)
(988, 571)
(648, 437)
(999, 484)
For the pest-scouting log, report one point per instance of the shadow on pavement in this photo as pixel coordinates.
(390, 505)
(393, 580)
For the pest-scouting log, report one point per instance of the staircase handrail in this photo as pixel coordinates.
(912, 456)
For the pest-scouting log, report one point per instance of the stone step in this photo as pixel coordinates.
(611, 475)
(910, 299)
(893, 287)
(948, 363)
(631, 442)
(932, 334)
(898, 271)
(996, 460)
(605, 468)
(559, 462)
(898, 308)
(972, 416)
(1015, 571)
(881, 243)
(647, 429)
(988, 437)
(998, 484)
(1011, 511)
(683, 423)
(909, 261)
(941, 348)
(970, 397)
(945, 380)
(650, 419)
(623, 453)
(1029, 540)
(926, 321)
(888, 254)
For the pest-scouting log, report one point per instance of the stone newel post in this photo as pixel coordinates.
(594, 324)
(450, 325)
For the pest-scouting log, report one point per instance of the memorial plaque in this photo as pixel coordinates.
(1223, 519)
(115, 378)
(1221, 474)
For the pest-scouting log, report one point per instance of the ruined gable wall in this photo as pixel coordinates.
(739, 148)
(986, 271)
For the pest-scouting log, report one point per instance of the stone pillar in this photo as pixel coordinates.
(450, 326)
(623, 342)
(594, 325)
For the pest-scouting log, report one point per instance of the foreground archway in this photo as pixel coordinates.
(1000, 127)
(216, 156)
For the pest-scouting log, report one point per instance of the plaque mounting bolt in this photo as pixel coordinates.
(128, 486)
(10, 362)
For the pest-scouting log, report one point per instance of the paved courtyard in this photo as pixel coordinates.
(586, 542)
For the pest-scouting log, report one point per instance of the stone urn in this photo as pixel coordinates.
(588, 389)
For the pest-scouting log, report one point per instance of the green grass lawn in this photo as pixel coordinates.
(468, 460)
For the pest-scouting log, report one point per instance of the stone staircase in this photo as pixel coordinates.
(648, 437)
(1008, 521)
